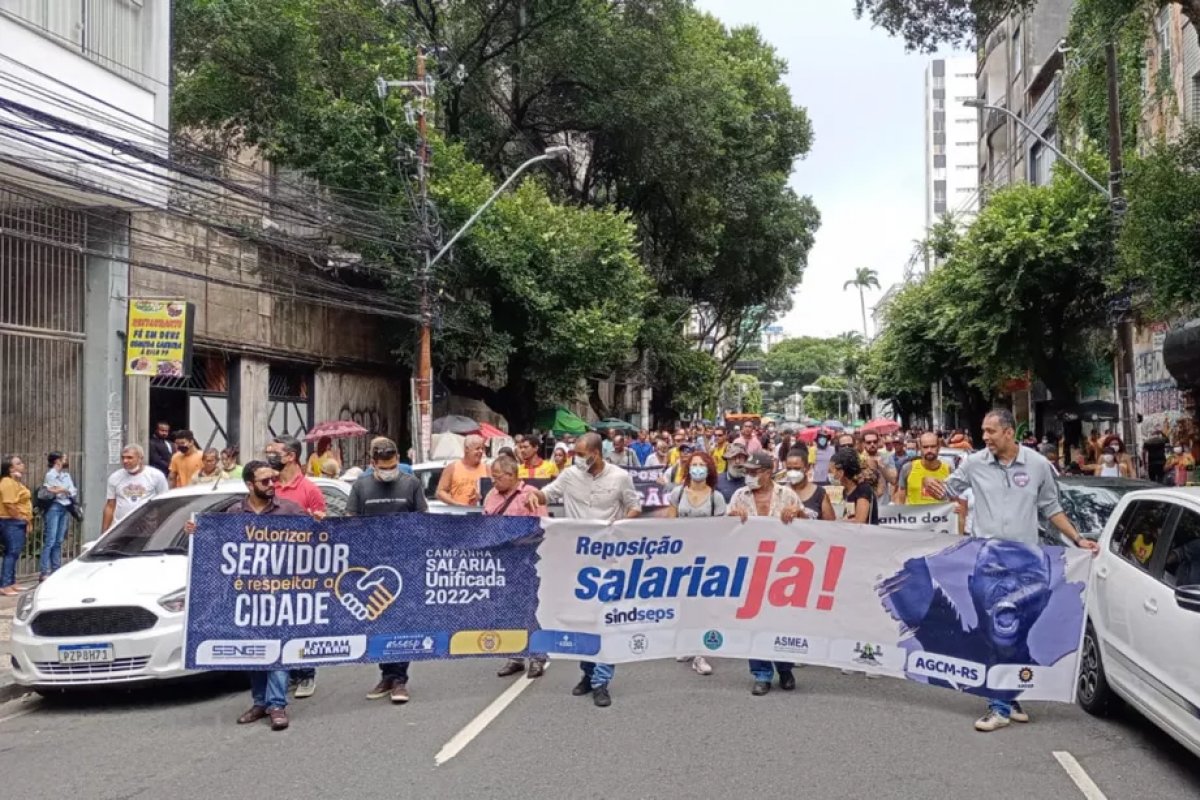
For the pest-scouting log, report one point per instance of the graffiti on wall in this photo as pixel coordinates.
(1159, 400)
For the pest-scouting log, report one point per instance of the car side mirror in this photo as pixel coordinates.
(1188, 598)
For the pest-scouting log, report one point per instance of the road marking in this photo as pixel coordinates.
(485, 718)
(1084, 781)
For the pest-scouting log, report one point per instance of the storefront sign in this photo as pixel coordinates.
(158, 338)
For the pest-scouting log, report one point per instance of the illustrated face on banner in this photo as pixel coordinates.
(1010, 588)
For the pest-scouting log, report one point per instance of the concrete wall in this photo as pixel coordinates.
(377, 402)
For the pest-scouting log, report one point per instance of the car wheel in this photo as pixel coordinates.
(1092, 691)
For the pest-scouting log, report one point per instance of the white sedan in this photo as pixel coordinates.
(115, 614)
(1142, 642)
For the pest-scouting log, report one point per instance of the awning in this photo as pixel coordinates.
(560, 421)
(1181, 355)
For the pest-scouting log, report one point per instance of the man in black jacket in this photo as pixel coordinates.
(161, 448)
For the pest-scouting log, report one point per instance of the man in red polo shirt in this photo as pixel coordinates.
(283, 456)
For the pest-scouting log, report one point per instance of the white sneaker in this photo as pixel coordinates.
(991, 721)
(306, 688)
(1018, 714)
(701, 665)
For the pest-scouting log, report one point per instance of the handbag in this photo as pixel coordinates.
(44, 499)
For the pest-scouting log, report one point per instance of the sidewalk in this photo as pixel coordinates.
(8, 689)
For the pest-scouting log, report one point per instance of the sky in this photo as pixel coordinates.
(866, 169)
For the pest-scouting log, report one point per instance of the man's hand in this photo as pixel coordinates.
(788, 515)
(740, 513)
(189, 527)
(318, 515)
(1089, 545)
(533, 501)
(934, 488)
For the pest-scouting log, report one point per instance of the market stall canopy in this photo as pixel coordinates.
(560, 421)
(619, 425)
(832, 424)
(455, 423)
(335, 429)
(489, 431)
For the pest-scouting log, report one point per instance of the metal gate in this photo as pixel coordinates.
(42, 288)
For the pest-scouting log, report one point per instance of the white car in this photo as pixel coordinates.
(1142, 641)
(115, 614)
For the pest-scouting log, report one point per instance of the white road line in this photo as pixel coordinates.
(1084, 781)
(485, 718)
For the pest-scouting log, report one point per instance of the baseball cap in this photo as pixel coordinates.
(760, 460)
(735, 449)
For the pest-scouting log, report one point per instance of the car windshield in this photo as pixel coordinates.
(1089, 507)
(429, 481)
(156, 528)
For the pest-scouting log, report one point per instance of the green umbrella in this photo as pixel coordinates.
(616, 424)
(560, 421)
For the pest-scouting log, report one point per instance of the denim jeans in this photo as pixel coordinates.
(12, 536)
(397, 671)
(599, 674)
(1001, 707)
(54, 531)
(765, 670)
(269, 689)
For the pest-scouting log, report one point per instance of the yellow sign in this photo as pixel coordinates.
(477, 643)
(158, 338)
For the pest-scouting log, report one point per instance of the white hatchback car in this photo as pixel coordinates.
(1142, 641)
(115, 614)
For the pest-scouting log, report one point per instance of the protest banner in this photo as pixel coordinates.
(935, 518)
(980, 616)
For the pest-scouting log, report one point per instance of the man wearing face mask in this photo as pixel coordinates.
(734, 476)
(187, 460)
(593, 489)
(131, 486)
(820, 458)
(387, 490)
(283, 456)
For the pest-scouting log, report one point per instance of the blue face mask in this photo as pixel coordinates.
(911, 453)
(698, 472)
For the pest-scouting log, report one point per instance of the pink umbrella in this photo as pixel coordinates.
(881, 426)
(335, 429)
(808, 435)
(491, 431)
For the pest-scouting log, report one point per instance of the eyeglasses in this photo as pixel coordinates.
(267, 481)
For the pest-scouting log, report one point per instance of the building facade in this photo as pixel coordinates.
(951, 141)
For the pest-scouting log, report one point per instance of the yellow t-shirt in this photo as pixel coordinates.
(718, 454)
(914, 492)
(544, 469)
(16, 494)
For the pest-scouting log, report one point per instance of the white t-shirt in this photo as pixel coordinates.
(130, 491)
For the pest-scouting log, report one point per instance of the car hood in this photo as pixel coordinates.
(113, 582)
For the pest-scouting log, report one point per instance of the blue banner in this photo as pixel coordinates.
(271, 591)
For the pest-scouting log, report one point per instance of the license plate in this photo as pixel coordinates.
(85, 654)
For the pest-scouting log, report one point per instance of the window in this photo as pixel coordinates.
(965, 120)
(966, 144)
(1183, 559)
(939, 149)
(1018, 52)
(964, 74)
(1138, 531)
(1195, 113)
(1163, 31)
(966, 166)
(939, 81)
(964, 190)
(939, 192)
(939, 104)
(939, 123)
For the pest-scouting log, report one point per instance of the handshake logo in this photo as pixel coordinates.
(366, 594)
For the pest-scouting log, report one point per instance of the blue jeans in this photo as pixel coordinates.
(397, 671)
(599, 674)
(54, 532)
(12, 535)
(1001, 707)
(765, 670)
(269, 689)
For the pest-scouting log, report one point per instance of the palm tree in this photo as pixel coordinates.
(864, 278)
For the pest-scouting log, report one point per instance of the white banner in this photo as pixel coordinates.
(982, 616)
(935, 518)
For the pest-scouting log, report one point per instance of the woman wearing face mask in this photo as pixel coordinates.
(16, 514)
(813, 498)
(210, 471)
(1178, 464)
(561, 457)
(862, 505)
(697, 497)
(1109, 466)
(229, 463)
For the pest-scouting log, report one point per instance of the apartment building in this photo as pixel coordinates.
(951, 140)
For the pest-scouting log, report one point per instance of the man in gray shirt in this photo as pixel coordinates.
(592, 489)
(1012, 485)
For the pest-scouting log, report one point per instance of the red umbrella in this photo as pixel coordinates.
(335, 429)
(881, 426)
(488, 431)
(808, 435)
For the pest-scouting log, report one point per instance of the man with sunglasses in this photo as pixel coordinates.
(882, 464)
(387, 490)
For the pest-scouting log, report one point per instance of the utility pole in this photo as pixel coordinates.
(1126, 390)
(423, 437)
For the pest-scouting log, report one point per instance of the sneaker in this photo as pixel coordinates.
(760, 688)
(601, 697)
(583, 687)
(279, 718)
(382, 689)
(253, 715)
(701, 665)
(536, 669)
(787, 681)
(511, 667)
(305, 688)
(399, 693)
(991, 721)
(681, 659)
(1018, 714)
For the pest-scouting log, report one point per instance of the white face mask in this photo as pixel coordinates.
(1178, 450)
(1108, 458)
(752, 481)
(387, 475)
(583, 463)
(796, 476)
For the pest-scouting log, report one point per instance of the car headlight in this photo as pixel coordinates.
(25, 606)
(175, 601)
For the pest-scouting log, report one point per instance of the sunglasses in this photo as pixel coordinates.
(383, 455)
(267, 481)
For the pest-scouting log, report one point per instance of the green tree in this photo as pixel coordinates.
(744, 393)
(863, 279)
(800, 361)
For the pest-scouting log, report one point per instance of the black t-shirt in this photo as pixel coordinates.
(1156, 451)
(370, 497)
(863, 491)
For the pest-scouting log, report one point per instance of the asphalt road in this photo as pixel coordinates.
(669, 734)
